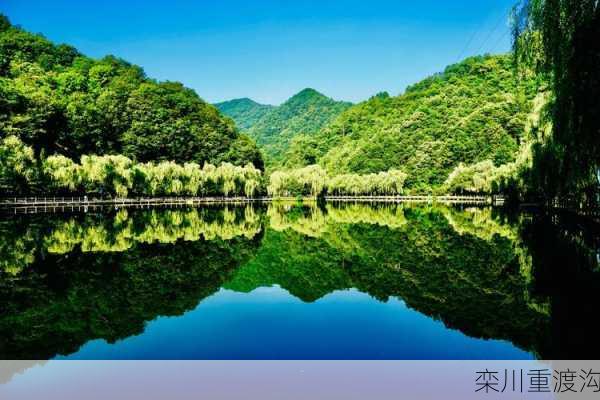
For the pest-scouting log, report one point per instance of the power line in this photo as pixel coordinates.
(460, 56)
(503, 17)
(493, 49)
(473, 35)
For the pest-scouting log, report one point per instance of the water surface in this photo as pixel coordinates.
(333, 281)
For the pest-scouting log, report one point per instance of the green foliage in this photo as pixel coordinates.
(63, 173)
(118, 175)
(486, 178)
(60, 102)
(476, 178)
(18, 44)
(17, 164)
(558, 39)
(170, 122)
(245, 112)
(244, 150)
(109, 173)
(383, 183)
(303, 114)
(307, 181)
(473, 111)
(314, 181)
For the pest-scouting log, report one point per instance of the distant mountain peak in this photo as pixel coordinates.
(245, 112)
(305, 113)
(307, 93)
(241, 101)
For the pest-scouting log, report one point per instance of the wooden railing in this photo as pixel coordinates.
(416, 199)
(62, 200)
(38, 204)
(27, 205)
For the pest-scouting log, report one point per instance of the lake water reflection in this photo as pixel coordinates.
(285, 281)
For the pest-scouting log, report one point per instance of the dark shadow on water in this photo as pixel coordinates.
(527, 279)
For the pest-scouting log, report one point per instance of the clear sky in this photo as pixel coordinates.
(270, 49)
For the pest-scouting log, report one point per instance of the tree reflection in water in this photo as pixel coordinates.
(67, 280)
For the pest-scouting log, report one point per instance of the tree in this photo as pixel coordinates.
(17, 165)
(472, 111)
(120, 176)
(62, 173)
(558, 39)
(313, 181)
(58, 101)
(274, 128)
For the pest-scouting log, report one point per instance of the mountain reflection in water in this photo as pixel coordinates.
(346, 281)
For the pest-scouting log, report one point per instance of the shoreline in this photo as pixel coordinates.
(37, 204)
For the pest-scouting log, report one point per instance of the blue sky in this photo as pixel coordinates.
(268, 50)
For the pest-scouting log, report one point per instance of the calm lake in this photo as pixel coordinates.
(288, 281)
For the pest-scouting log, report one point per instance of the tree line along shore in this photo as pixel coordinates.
(523, 125)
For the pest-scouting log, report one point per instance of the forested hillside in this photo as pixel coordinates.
(303, 114)
(475, 110)
(449, 132)
(58, 101)
(245, 112)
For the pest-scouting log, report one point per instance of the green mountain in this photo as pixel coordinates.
(473, 111)
(245, 112)
(303, 114)
(58, 101)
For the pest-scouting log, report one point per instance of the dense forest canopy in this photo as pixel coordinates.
(305, 113)
(474, 111)
(60, 102)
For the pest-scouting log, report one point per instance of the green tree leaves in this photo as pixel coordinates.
(274, 128)
(558, 40)
(473, 111)
(17, 164)
(120, 176)
(60, 102)
(314, 181)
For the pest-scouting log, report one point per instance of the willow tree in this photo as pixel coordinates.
(17, 164)
(277, 183)
(209, 172)
(476, 178)
(62, 173)
(142, 179)
(383, 183)
(559, 38)
(391, 182)
(252, 179)
(227, 175)
(111, 174)
(120, 176)
(194, 179)
(310, 180)
(170, 176)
